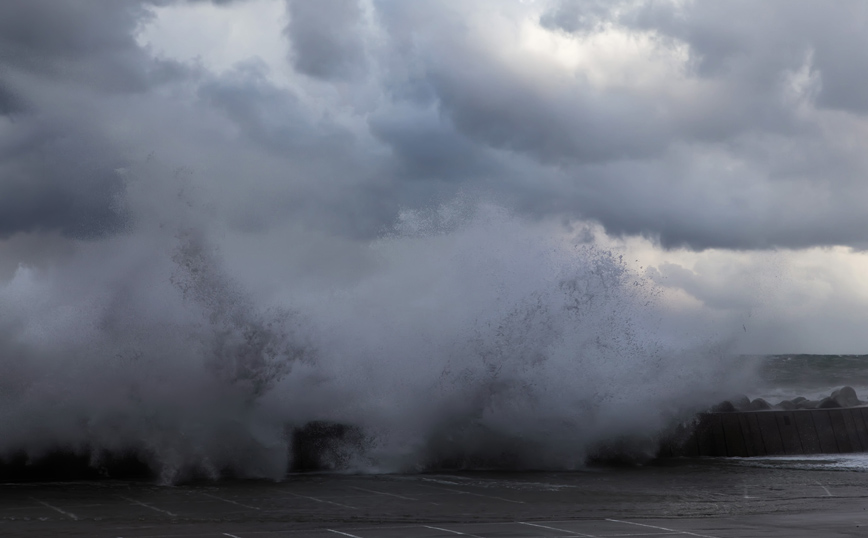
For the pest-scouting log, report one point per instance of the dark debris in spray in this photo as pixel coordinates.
(325, 446)
(248, 347)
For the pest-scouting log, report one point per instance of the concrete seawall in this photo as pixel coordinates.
(771, 433)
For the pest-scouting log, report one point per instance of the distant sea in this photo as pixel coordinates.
(812, 376)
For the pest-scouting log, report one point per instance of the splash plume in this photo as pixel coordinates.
(468, 338)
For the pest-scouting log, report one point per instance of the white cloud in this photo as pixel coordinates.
(610, 58)
(219, 36)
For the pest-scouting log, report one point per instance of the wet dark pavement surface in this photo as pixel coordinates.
(711, 498)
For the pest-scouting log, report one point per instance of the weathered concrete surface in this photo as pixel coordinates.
(710, 498)
(771, 433)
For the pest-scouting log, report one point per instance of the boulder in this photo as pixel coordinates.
(759, 405)
(723, 407)
(846, 397)
(829, 403)
(325, 446)
(741, 403)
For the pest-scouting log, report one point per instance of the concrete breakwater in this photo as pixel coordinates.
(758, 429)
(771, 433)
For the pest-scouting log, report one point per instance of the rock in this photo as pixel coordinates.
(786, 405)
(741, 403)
(846, 397)
(723, 407)
(325, 446)
(759, 405)
(806, 404)
(829, 403)
(799, 399)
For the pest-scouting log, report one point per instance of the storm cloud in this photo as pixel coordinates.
(701, 124)
(62, 63)
(325, 38)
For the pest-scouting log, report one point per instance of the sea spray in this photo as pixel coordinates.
(497, 342)
(468, 338)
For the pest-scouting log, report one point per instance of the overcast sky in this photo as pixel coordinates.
(720, 144)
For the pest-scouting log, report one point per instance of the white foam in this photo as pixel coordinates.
(466, 335)
(820, 462)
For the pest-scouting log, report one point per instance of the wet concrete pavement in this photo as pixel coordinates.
(711, 498)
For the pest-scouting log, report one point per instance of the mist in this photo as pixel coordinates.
(464, 336)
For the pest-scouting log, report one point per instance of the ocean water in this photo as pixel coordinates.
(856, 462)
(783, 377)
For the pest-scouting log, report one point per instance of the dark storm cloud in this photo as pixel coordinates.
(77, 201)
(753, 43)
(91, 42)
(325, 37)
(54, 181)
(426, 149)
(747, 135)
(774, 34)
(272, 118)
(10, 102)
(492, 107)
(751, 53)
(632, 155)
(58, 160)
(561, 121)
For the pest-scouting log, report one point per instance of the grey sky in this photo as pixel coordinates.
(698, 125)
(747, 138)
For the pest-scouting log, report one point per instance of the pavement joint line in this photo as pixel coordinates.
(140, 503)
(478, 481)
(439, 481)
(574, 533)
(450, 530)
(829, 493)
(384, 493)
(56, 509)
(186, 535)
(303, 531)
(322, 500)
(646, 534)
(662, 528)
(474, 494)
(230, 535)
(343, 533)
(384, 528)
(393, 495)
(230, 501)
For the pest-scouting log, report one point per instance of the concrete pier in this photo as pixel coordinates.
(777, 432)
